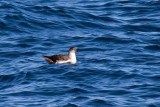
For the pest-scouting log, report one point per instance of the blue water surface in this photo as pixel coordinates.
(118, 59)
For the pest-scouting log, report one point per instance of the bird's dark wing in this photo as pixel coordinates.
(54, 58)
(60, 57)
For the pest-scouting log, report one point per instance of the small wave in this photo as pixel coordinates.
(29, 39)
(154, 41)
(27, 26)
(11, 54)
(142, 20)
(6, 5)
(3, 25)
(116, 92)
(101, 60)
(91, 49)
(16, 54)
(14, 17)
(153, 47)
(155, 78)
(102, 103)
(154, 3)
(23, 45)
(46, 10)
(86, 24)
(80, 98)
(48, 44)
(31, 53)
(6, 45)
(7, 78)
(11, 79)
(151, 95)
(115, 40)
(70, 105)
(143, 28)
(78, 91)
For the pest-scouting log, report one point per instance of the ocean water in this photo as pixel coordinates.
(118, 44)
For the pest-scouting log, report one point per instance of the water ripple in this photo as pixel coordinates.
(117, 59)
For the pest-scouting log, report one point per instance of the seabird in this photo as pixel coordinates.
(60, 59)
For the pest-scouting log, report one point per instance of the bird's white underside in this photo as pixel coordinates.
(62, 62)
(72, 59)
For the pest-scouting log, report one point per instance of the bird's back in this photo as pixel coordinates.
(57, 58)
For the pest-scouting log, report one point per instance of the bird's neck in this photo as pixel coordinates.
(72, 57)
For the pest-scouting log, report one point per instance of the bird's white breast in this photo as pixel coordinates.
(72, 56)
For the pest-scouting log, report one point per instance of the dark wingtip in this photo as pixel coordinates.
(48, 59)
(44, 56)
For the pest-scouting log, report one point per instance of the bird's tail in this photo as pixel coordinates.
(48, 58)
